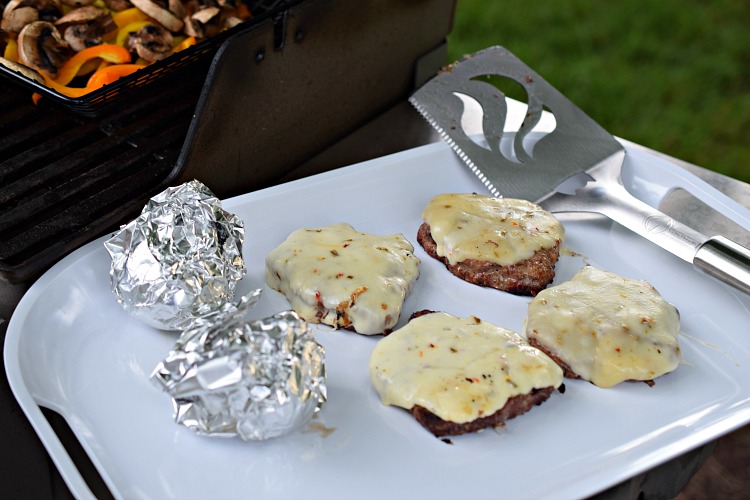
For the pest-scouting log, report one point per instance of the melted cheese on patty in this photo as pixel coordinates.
(340, 277)
(606, 328)
(460, 369)
(503, 231)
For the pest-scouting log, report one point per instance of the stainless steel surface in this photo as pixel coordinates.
(724, 259)
(718, 257)
(606, 195)
(518, 172)
(682, 206)
(542, 170)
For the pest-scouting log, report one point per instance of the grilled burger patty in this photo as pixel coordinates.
(517, 405)
(605, 328)
(527, 277)
(344, 278)
(503, 243)
(459, 375)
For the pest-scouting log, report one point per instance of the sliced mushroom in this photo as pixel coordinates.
(77, 3)
(159, 14)
(151, 42)
(41, 47)
(205, 14)
(83, 14)
(203, 23)
(190, 6)
(177, 8)
(19, 13)
(24, 70)
(118, 5)
(232, 21)
(49, 10)
(10, 6)
(85, 26)
(16, 16)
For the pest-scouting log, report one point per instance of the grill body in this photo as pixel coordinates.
(243, 120)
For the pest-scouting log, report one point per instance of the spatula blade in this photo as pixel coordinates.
(516, 164)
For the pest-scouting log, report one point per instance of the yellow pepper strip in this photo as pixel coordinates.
(127, 16)
(11, 50)
(124, 33)
(105, 76)
(108, 52)
(187, 42)
(122, 19)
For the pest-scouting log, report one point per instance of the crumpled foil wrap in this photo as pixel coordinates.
(180, 259)
(256, 380)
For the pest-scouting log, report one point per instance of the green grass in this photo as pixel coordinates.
(673, 75)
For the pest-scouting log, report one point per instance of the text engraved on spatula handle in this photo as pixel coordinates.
(718, 256)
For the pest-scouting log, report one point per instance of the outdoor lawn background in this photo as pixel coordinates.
(673, 75)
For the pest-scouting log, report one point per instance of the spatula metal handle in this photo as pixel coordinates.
(724, 259)
(717, 256)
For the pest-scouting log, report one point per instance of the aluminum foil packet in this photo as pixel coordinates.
(253, 379)
(178, 260)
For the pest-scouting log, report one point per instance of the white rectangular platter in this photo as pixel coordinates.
(70, 347)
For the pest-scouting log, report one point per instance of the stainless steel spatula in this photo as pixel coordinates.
(575, 168)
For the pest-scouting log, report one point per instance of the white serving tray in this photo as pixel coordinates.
(71, 348)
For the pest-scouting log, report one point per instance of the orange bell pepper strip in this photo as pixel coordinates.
(187, 42)
(242, 11)
(108, 52)
(101, 77)
(109, 74)
(64, 89)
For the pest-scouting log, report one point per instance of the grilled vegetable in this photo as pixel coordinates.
(55, 41)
